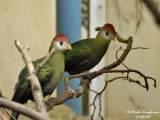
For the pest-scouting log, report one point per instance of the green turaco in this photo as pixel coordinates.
(49, 76)
(87, 53)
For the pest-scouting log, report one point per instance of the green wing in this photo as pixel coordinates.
(44, 75)
(23, 85)
(80, 53)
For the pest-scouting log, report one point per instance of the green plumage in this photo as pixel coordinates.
(85, 54)
(49, 77)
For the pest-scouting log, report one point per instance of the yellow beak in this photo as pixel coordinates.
(114, 38)
(69, 48)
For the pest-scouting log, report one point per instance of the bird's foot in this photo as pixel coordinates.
(87, 77)
(49, 104)
(86, 80)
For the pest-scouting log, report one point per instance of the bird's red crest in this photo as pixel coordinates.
(61, 37)
(109, 27)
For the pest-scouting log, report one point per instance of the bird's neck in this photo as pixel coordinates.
(102, 42)
(57, 59)
(100, 45)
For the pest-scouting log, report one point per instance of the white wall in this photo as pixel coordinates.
(122, 95)
(32, 23)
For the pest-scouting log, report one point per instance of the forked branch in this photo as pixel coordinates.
(68, 94)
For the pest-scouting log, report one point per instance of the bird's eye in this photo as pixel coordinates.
(107, 33)
(61, 42)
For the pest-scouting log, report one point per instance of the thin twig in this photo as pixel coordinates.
(9, 114)
(118, 58)
(123, 50)
(139, 48)
(3, 115)
(45, 60)
(100, 93)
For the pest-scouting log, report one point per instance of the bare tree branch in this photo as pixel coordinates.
(98, 94)
(35, 85)
(117, 57)
(131, 71)
(68, 94)
(36, 89)
(21, 109)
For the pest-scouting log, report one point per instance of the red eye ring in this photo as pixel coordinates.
(61, 43)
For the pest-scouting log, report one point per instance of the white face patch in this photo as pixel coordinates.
(107, 35)
(61, 45)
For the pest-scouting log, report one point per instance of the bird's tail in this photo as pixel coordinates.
(15, 115)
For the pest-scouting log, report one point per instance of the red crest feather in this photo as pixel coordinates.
(60, 37)
(110, 27)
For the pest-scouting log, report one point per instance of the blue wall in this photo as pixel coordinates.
(69, 23)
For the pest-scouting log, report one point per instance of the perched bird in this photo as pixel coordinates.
(49, 76)
(88, 53)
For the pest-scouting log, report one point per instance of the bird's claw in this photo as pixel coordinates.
(49, 104)
(87, 77)
(86, 80)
